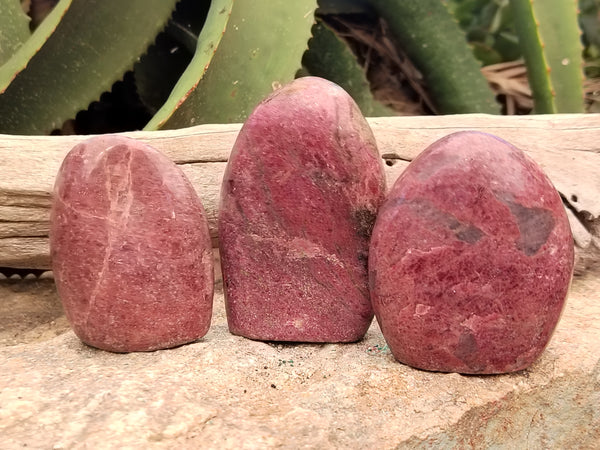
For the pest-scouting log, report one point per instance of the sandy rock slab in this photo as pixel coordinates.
(226, 391)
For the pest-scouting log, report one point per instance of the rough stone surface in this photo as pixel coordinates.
(471, 258)
(130, 247)
(298, 202)
(226, 391)
(30, 311)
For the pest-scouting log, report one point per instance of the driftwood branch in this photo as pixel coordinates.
(566, 146)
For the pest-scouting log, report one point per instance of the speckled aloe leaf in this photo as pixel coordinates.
(549, 37)
(77, 53)
(246, 48)
(206, 47)
(19, 59)
(432, 39)
(331, 58)
(159, 69)
(14, 28)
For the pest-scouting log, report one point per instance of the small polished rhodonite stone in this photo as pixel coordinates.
(130, 248)
(471, 258)
(299, 197)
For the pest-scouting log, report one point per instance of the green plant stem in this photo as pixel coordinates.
(259, 48)
(433, 41)
(549, 37)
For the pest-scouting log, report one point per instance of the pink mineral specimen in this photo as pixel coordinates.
(471, 258)
(130, 248)
(298, 201)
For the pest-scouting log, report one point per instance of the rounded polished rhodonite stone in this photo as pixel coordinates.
(130, 247)
(471, 258)
(298, 201)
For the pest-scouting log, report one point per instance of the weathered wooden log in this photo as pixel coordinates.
(567, 147)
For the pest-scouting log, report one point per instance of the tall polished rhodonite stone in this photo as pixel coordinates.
(471, 258)
(130, 247)
(298, 201)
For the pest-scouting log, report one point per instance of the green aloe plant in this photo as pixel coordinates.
(550, 41)
(329, 57)
(238, 61)
(234, 52)
(14, 29)
(77, 53)
(437, 46)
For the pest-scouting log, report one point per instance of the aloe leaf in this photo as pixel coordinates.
(241, 56)
(14, 28)
(19, 60)
(329, 57)
(549, 36)
(94, 43)
(433, 41)
(208, 43)
(160, 68)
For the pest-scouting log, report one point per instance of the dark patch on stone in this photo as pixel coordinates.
(464, 232)
(535, 226)
(364, 220)
(467, 349)
(363, 258)
(469, 234)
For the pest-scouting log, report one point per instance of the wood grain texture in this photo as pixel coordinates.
(566, 146)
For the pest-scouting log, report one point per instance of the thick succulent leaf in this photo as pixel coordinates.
(329, 57)
(14, 28)
(261, 47)
(21, 58)
(550, 40)
(489, 27)
(93, 45)
(208, 43)
(432, 39)
(161, 67)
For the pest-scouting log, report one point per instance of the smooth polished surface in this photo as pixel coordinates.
(298, 201)
(130, 248)
(471, 258)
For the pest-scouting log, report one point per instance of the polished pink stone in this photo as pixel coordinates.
(471, 258)
(298, 201)
(130, 248)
